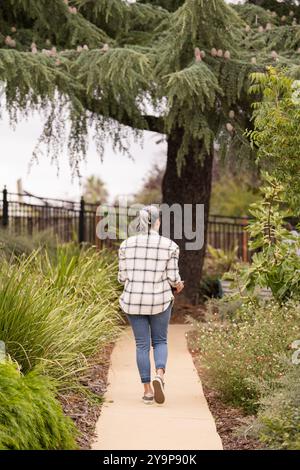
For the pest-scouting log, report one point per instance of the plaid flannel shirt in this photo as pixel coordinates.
(148, 267)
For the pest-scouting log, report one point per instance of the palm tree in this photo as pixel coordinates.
(94, 190)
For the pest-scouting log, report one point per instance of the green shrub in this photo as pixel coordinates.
(210, 287)
(16, 245)
(216, 263)
(279, 414)
(237, 352)
(56, 312)
(30, 416)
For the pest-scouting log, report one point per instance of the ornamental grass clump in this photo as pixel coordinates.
(55, 313)
(30, 416)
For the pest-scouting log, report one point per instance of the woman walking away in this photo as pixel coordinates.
(148, 268)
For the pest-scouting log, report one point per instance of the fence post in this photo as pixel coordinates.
(81, 233)
(245, 255)
(98, 241)
(5, 208)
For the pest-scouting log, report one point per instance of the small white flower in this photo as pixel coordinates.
(229, 127)
(296, 84)
(296, 92)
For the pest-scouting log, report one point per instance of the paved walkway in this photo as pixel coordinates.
(184, 422)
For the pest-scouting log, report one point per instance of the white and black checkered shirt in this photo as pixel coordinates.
(148, 267)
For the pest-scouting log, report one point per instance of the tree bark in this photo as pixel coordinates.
(193, 186)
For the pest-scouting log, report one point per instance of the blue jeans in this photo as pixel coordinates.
(154, 328)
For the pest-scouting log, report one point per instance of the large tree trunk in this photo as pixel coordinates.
(192, 187)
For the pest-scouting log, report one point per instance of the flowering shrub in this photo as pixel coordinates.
(238, 354)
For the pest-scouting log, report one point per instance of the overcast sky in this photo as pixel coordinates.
(121, 175)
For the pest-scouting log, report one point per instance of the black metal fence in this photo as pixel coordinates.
(227, 233)
(25, 214)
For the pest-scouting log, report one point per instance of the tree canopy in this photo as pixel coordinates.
(148, 65)
(116, 67)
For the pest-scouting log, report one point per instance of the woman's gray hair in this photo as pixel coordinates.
(147, 217)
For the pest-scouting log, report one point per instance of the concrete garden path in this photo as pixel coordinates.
(184, 422)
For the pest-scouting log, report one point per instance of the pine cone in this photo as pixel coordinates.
(197, 53)
(229, 127)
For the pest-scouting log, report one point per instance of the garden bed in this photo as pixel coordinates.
(83, 411)
(59, 320)
(229, 420)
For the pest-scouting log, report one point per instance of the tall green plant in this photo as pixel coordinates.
(276, 133)
(275, 263)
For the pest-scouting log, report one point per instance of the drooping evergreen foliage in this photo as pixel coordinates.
(105, 63)
(170, 5)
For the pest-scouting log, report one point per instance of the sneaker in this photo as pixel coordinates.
(158, 385)
(148, 399)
